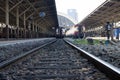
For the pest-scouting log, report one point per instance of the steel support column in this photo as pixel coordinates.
(37, 31)
(29, 26)
(17, 20)
(33, 30)
(24, 25)
(33, 26)
(7, 18)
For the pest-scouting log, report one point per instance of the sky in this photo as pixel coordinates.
(83, 7)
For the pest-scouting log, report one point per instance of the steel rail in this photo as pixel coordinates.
(16, 58)
(111, 71)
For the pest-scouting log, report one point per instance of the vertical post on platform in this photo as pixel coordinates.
(7, 19)
(116, 31)
(37, 30)
(17, 20)
(24, 25)
(60, 32)
(112, 35)
(33, 29)
(29, 29)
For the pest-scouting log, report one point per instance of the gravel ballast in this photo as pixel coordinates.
(16, 48)
(108, 53)
(54, 62)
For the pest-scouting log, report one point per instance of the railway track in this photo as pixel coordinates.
(58, 61)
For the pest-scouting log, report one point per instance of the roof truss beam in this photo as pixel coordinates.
(16, 5)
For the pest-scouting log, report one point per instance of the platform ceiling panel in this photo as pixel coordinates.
(109, 11)
(32, 10)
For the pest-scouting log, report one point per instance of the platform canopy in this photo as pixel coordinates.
(41, 12)
(109, 11)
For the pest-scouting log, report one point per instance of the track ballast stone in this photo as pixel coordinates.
(54, 62)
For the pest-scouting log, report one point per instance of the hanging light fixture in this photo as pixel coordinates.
(42, 14)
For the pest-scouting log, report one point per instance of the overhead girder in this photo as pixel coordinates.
(34, 9)
(16, 5)
(22, 11)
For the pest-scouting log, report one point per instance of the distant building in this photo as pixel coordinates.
(73, 14)
(65, 20)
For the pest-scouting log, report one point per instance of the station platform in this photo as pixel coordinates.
(99, 38)
(103, 38)
(9, 42)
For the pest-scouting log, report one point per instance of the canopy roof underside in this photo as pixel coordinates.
(31, 10)
(109, 11)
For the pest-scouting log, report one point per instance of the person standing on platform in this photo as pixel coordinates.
(83, 30)
(108, 27)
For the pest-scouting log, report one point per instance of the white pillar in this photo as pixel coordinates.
(17, 21)
(33, 31)
(7, 18)
(24, 25)
(33, 25)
